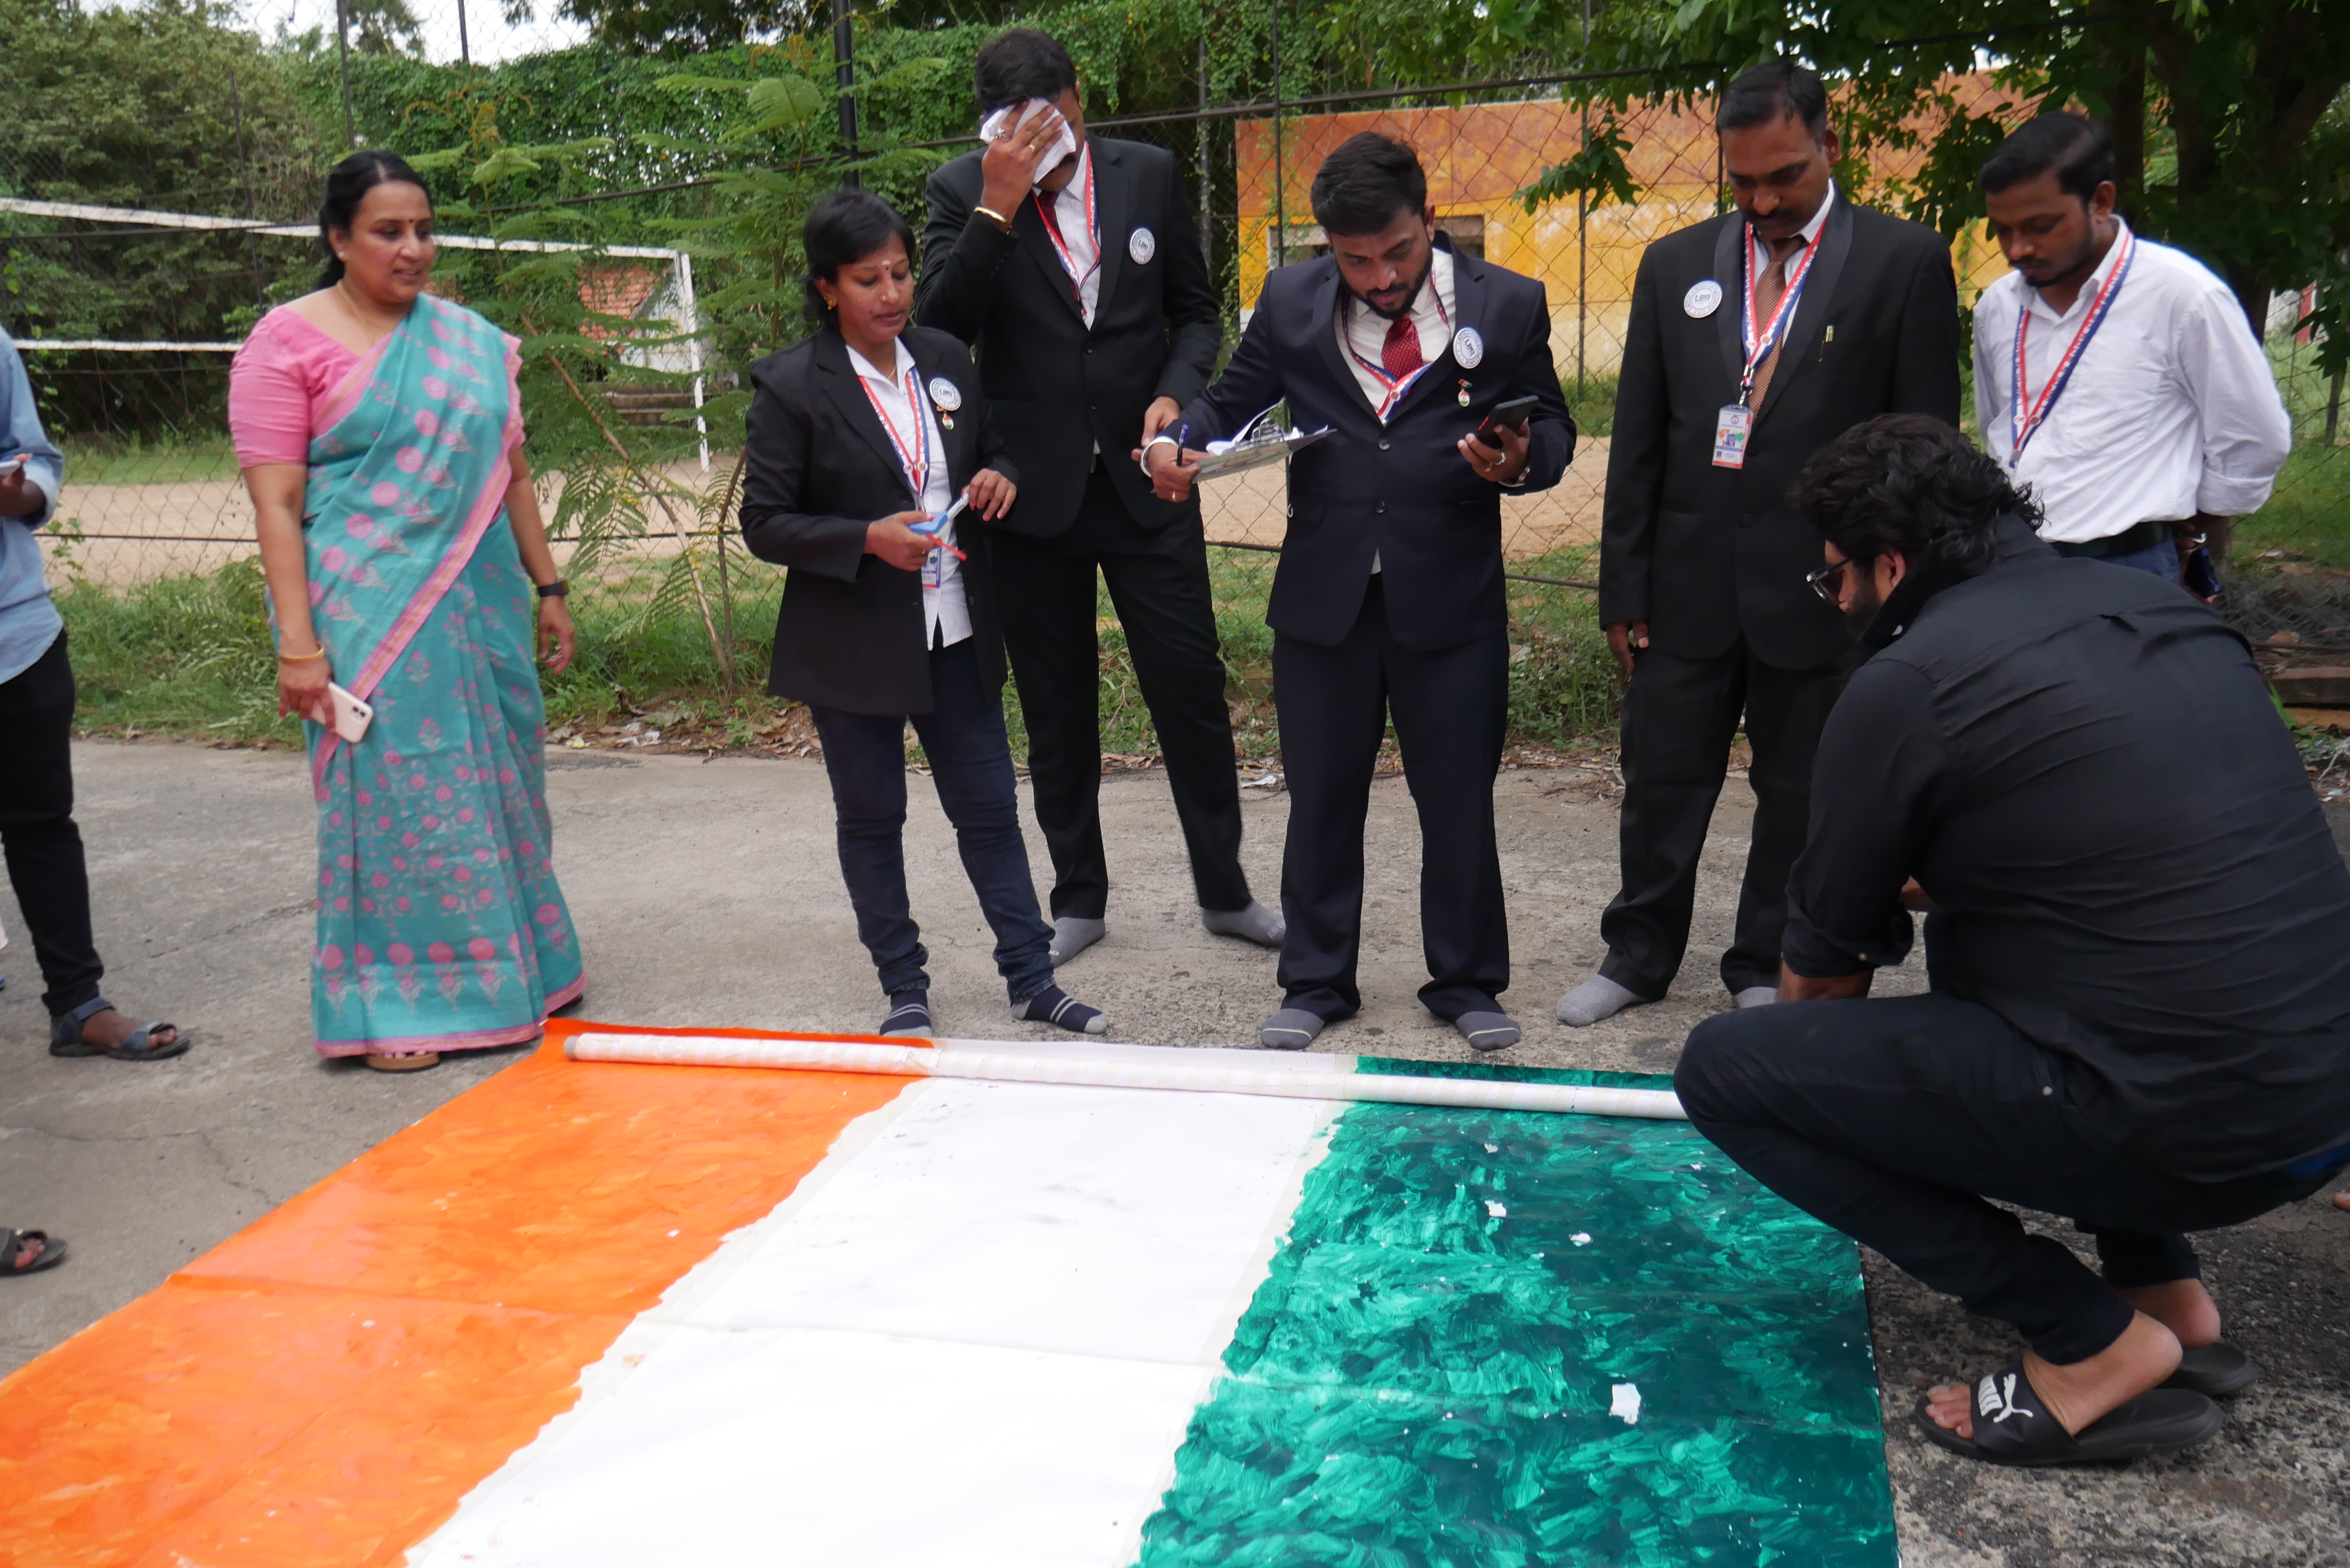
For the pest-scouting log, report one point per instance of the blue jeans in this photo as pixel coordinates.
(2162, 559)
(971, 763)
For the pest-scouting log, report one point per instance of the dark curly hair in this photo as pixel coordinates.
(1910, 484)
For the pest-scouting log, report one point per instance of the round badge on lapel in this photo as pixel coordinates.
(1468, 349)
(945, 393)
(1141, 246)
(1703, 298)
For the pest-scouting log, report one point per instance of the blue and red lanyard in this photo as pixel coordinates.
(1759, 346)
(1392, 387)
(1093, 229)
(914, 455)
(2023, 421)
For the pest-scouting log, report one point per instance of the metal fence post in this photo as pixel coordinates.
(844, 76)
(1280, 181)
(1200, 135)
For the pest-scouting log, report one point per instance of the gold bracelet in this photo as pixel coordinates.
(1000, 221)
(285, 658)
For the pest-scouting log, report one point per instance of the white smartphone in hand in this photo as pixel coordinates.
(351, 715)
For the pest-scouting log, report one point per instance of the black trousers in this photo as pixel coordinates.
(1158, 585)
(1450, 708)
(1679, 718)
(36, 827)
(1895, 1120)
(971, 763)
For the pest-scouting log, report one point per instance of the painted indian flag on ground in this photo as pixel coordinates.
(589, 1314)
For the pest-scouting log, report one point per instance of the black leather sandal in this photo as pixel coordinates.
(2013, 1426)
(139, 1045)
(12, 1249)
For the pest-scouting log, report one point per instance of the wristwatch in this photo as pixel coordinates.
(557, 589)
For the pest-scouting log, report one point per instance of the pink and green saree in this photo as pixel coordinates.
(440, 927)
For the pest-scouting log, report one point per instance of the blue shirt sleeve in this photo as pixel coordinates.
(44, 465)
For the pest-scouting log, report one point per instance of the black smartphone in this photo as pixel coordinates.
(1512, 415)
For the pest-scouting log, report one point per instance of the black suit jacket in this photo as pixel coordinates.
(818, 467)
(1399, 491)
(1705, 554)
(1057, 387)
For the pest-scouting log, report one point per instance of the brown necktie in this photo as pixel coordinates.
(1767, 292)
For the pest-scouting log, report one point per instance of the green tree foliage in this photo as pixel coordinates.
(2225, 113)
(169, 105)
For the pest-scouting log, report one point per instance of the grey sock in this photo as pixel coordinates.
(1256, 924)
(1488, 1031)
(1073, 934)
(1593, 1000)
(1291, 1029)
(1757, 996)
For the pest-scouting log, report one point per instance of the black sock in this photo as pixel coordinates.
(1053, 1005)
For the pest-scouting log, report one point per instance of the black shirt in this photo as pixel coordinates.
(2082, 768)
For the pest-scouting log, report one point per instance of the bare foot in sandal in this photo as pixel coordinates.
(2080, 1392)
(98, 1030)
(404, 1062)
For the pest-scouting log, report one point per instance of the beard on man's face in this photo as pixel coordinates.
(1860, 606)
(1404, 296)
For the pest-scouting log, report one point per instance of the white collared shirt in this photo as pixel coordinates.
(1077, 232)
(1363, 332)
(2172, 409)
(946, 612)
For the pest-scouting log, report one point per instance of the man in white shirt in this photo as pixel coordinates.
(2116, 377)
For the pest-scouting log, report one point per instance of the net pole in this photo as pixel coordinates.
(692, 312)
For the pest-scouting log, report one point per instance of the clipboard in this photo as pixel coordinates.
(1255, 449)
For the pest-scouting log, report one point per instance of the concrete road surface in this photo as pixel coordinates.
(706, 893)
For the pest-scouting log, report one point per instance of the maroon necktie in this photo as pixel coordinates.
(1401, 354)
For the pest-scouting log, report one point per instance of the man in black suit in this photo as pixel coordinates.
(1388, 599)
(1071, 267)
(1756, 338)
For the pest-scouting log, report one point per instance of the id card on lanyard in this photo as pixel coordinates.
(2025, 419)
(915, 455)
(1736, 421)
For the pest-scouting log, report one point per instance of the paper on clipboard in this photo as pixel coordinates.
(1255, 450)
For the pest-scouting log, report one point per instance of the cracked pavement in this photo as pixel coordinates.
(707, 893)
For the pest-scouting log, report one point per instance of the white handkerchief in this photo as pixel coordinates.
(1003, 121)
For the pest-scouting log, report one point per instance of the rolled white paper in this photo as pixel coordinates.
(1006, 1062)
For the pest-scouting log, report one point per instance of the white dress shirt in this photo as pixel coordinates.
(2171, 409)
(1071, 211)
(1363, 336)
(946, 612)
(1363, 332)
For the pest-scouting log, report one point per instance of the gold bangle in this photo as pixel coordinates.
(1000, 221)
(285, 658)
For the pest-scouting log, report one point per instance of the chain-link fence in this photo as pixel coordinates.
(664, 210)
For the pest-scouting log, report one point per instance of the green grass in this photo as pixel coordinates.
(190, 656)
(2309, 515)
(103, 460)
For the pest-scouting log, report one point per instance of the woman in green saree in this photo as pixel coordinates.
(380, 432)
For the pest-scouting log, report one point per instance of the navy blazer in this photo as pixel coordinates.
(1705, 554)
(1401, 490)
(818, 467)
(1056, 385)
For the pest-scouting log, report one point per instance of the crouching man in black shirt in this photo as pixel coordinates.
(2139, 952)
